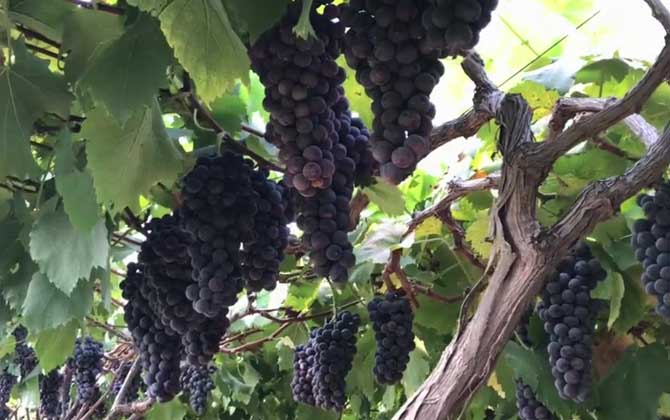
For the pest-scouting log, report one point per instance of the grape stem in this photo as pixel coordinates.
(334, 300)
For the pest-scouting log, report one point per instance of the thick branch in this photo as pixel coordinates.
(660, 12)
(601, 199)
(547, 152)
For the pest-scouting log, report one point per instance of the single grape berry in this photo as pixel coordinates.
(391, 318)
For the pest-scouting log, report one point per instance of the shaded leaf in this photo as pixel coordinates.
(360, 378)
(141, 151)
(172, 410)
(47, 307)
(28, 89)
(387, 196)
(124, 74)
(54, 346)
(257, 16)
(417, 369)
(204, 42)
(77, 252)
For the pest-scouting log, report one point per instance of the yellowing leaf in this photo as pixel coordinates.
(495, 385)
(540, 99)
(477, 234)
(430, 226)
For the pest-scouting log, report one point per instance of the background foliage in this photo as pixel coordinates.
(96, 130)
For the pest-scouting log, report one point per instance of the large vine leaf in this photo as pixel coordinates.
(76, 253)
(172, 410)
(47, 307)
(124, 74)
(28, 89)
(127, 161)
(75, 187)
(204, 42)
(633, 388)
(86, 30)
(47, 18)
(417, 369)
(257, 16)
(54, 346)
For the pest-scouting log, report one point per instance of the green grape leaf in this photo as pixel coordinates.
(28, 89)
(76, 187)
(149, 5)
(230, 111)
(47, 18)
(285, 349)
(359, 101)
(54, 346)
(417, 369)
(172, 410)
(540, 99)
(16, 266)
(301, 295)
(204, 42)
(47, 307)
(633, 387)
(258, 15)
(29, 392)
(534, 370)
(477, 234)
(634, 302)
(360, 378)
(125, 74)
(85, 31)
(7, 345)
(603, 71)
(387, 196)
(127, 161)
(76, 254)
(611, 289)
(380, 241)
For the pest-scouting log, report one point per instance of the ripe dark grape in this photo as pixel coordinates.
(334, 350)
(159, 347)
(301, 80)
(652, 246)
(454, 26)
(24, 355)
(568, 313)
(303, 373)
(88, 365)
(196, 381)
(528, 405)
(387, 47)
(262, 255)
(50, 397)
(391, 318)
(218, 214)
(7, 382)
(133, 391)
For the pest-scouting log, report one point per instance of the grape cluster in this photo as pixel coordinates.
(651, 241)
(50, 404)
(196, 381)
(529, 407)
(354, 136)
(521, 330)
(24, 355)
(453, 26)
(167, 267)
(301, 384)
(262, 255)
(334, 350)
(301, 80)
(386, 46)
(133, 391)
(159, 347)
(88, 365)
(219, 207)
(7, 382)
(391, 318)
(569, 314)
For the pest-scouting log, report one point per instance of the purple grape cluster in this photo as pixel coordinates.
(50, 396)
(453, 26)
(391, 318)
(197, 382)
(326, 360)
(159, 347)
(88, 365)
(569, 312)
(528, 405)
(651, 241)
(387, 47)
